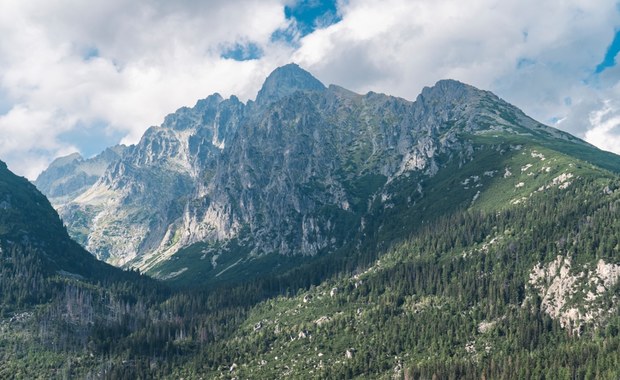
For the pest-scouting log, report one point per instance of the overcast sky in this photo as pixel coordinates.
(84, 75)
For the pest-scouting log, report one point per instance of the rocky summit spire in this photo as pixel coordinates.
(450, 90)
(286, 80)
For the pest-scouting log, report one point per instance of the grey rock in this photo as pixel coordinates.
(285, 81)
(68, 176)
(294, 173)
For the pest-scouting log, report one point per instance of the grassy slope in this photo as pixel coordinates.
(220, 265)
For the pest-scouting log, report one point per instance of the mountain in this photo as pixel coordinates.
(285, 81)
(227, 190)
(69, 176)
(323, 234)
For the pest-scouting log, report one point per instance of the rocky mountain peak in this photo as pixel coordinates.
(300, 172)
(210, 101)
(182, 118)
(449, 90)
(65, 160)
(286, 80)
(70, 175)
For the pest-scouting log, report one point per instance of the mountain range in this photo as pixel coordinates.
(223, 188)
(318, 233)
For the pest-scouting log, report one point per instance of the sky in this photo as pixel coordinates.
(79, 76)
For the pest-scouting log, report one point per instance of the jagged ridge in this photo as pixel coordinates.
(298, 172)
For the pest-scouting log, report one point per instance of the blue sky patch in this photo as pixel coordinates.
(313, 14)
(525, 62)
(90, 53)
(243, 52)
(610, 55)
(5, 104)
(306, 17)
(288, 35)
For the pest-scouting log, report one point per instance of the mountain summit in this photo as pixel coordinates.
(224, 190)
(286, 80)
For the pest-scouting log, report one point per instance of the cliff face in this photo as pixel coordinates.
(297, 172)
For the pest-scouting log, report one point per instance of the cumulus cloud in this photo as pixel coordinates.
(528, 51)
(605, 131)
(122, 64)
(25, 147)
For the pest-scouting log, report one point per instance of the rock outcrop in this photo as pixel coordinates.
(572, 295)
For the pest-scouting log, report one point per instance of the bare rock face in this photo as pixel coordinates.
(571, 295)
(285, 81)
(294, 173)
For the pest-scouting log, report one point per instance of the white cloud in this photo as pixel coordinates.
(65, 64)
(127, 63)
(27, 133)
(604, 129)
(403, 45)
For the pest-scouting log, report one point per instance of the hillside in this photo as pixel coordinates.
(28, 222)
(528, 292)
(55, 297)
